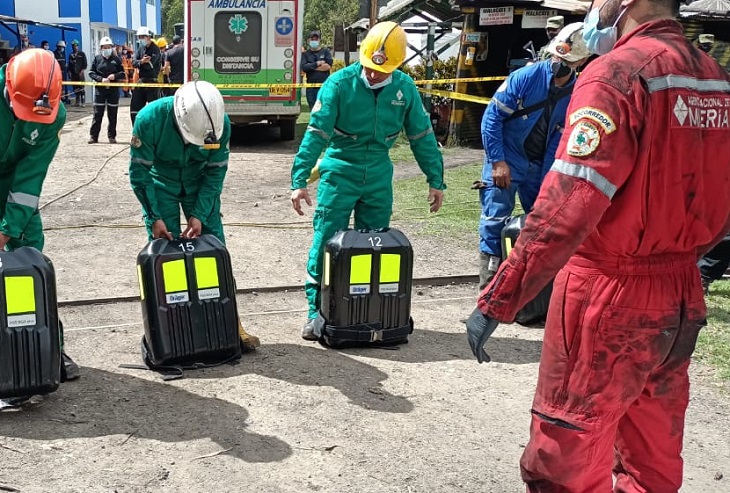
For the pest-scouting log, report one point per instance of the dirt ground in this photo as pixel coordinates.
(293, 417)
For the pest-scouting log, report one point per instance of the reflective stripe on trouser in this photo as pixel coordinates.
(613, 388)
(169, 205)
(109, 100)
(337, 198)
(499, 203)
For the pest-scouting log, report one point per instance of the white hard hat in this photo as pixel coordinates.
(144, 31)
(199, 113)
(106, 40)
(61, 43)
(569, 44)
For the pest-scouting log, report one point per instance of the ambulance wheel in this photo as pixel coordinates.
(288, 128)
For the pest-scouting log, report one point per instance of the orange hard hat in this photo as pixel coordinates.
(34, 79)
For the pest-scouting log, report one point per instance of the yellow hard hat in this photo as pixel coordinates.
(161, 42)
(384, 48)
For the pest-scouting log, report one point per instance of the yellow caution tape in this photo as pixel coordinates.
(276, 87)
(457, 95)
(19, 295)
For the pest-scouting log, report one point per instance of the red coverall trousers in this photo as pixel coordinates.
(614, 373)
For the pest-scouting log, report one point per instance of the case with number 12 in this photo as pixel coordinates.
(366, 288)
(188, 301)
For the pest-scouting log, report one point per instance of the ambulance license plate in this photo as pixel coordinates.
(280, 91)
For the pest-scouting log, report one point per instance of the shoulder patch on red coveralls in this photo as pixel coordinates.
(596, 115)
(584, 139)
(135, 142)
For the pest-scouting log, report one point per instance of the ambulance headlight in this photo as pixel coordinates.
(288, 53)
(288, 64)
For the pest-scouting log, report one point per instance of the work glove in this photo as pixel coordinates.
(314, 175)
(478, 329)
(478, 185)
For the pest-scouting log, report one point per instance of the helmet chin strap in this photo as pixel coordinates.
(210, 140)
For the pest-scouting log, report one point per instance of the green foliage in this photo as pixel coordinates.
(172, 13)
(324, 15)
(713, 346)
(337, 64)
(442, 69)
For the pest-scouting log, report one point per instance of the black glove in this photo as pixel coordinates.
(478, 329)
(478, 185)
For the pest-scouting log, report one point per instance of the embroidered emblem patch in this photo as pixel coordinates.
(596, 115)
(135, 142)
(317, 106)
(584, 139)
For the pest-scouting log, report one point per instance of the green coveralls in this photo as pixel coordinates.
(359, 126)
(166, 173)
(28, 149)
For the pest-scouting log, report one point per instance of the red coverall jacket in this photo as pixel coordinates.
(639, 190)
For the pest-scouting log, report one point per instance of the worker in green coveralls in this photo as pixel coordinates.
(31, 119)
(179, 159)
(358, 115)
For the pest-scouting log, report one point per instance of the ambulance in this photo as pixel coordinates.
(248, 42)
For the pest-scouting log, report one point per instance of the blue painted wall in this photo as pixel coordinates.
(7, 7)
(142, 6)
(71, 8)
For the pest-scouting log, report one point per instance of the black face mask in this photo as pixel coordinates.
(560, 69)
(705, 47)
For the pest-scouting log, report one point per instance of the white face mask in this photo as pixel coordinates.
(106, 52)
(377, 85)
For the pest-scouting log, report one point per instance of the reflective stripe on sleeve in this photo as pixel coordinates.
(139, 160)
(679, 81)
(585, 173)
(503, 106)
(321, 133)
(428, 131)
(25, 199)
(219, 164)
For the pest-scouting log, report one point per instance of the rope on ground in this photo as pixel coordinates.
(93, 179)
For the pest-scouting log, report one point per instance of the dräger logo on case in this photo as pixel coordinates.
(360, 289)
(173, 298)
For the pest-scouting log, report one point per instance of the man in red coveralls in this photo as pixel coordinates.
(640, 189)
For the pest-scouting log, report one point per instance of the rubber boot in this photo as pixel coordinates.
(248, 341)
(488, 265)
(308, 330)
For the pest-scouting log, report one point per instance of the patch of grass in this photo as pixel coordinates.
(458, 217)
(401, 151)
(713, 346)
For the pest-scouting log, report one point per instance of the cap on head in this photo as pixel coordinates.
(75, 42)
(176, 40)
(106, 41)
(33, 79)
(706, 39)
(569, 44)
(384, 47)
(315, 33)
(61, 43)
(144, 31)
(556, 22)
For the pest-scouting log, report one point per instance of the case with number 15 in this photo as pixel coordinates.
(188, 301)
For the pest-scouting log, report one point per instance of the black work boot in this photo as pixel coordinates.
(488, 265)
(69, 369)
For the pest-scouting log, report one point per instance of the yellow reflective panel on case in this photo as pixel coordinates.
(360, 267)
(389, 268)
(206, 272)
(327, 268)
(173, 274)
(508, 246)
(141, 283)
(20, 294)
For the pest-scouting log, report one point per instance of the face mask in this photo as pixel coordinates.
(314, 44)
(377, 85)
(706, 47)
(106, 52)
(560, 69)
(600, 41)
